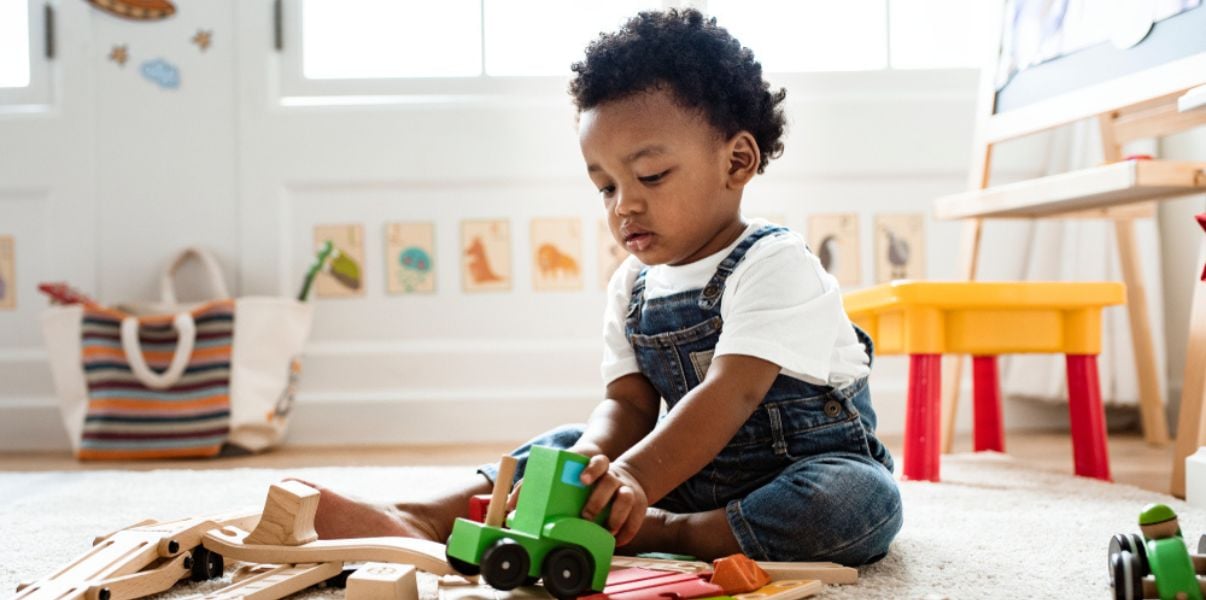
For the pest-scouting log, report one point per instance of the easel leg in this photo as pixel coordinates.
(952, 371)
(1151, 401)
(1193, 391)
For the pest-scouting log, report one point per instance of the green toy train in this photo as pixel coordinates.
(1156, 564)
(544, 538)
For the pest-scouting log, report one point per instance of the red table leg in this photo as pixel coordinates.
(1087, 417)
(988, 432)
(922, 429)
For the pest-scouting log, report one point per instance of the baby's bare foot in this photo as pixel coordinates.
(339, 516)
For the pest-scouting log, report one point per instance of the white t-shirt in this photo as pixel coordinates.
(779, 305)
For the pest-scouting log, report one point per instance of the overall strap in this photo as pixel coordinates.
(637, 299)
(710, 296)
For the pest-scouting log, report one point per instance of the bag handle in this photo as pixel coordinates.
(187, 331)
(167, 283)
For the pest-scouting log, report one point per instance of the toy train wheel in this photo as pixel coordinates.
(1127, 580)
(567, 571)
(206, 564)
(1133, 543)
(505, 565)
(462, 567)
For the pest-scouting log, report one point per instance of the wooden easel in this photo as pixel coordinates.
(1136, 106)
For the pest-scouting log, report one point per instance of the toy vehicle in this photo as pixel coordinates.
(544, 537)
(1159, 552)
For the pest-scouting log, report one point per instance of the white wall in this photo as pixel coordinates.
(103, 187)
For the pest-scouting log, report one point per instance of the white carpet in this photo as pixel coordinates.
(991, 529)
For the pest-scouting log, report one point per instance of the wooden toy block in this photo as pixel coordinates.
(827, 572)
(383, 581)
(478, 505)
(288, 517)
(426, 555)
(656, 564)
(787, 589)
(502, 488)
(639, 585)
(738, 574)
(127, 552)
(278, 582)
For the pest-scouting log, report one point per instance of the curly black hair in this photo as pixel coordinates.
(704, 66)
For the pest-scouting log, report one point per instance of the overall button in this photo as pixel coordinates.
(711, 291)
(833, 408)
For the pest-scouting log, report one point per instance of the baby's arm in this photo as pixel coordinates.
(698, 428)
(620, 421)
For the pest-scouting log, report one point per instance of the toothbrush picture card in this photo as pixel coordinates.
(410, 258)
(556, 254)
(486, 255)
(338, 278)
(833, 238)
(8, 273)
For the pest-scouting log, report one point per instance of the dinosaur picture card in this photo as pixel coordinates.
(410, 258)
(349, 242)
(833, 238)
(611, 254)
(556, 254)
(486, 255)
(899, 247)
(8, 273)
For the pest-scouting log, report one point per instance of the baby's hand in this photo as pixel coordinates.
(616, 485)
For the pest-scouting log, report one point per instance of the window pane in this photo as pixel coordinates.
(354, 39)
(808, 35)
(937, 34)
(14, 43)
(521, 41)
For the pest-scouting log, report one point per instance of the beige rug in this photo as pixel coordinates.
(991, 529)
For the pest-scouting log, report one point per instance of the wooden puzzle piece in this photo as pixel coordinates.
(659, 564)
(276, 583)
(383, 581)
(288, 517)
(737, 574)
(641, 585)
(787, 589)
(827, 572)
(426, 555)
(143, 583)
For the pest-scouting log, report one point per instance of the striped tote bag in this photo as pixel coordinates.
(179, 381)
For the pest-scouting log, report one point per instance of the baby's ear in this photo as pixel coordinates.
(743, 159)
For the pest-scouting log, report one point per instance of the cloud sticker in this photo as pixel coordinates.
(162, 73)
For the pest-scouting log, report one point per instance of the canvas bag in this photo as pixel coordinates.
(169, 380)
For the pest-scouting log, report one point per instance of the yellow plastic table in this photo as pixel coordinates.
(926, 319)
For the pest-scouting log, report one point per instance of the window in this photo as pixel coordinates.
(409, 47)
(23, 62)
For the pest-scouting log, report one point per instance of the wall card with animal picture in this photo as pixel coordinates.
(348, 241)
(486, 256)
(410, 258)
(834, 239)
(611, 254)
(899, 247)
(8, 273)
(556, 254)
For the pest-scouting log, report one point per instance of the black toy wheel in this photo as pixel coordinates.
(462, 567)
(206, 564)
(1133, 543)
(505, 565)
(568, 571)
(1128, 582)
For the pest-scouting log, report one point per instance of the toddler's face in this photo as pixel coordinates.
(662, 172)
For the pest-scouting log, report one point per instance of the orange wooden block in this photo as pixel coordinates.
(738, 574)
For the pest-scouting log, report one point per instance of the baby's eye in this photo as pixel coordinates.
(654, 178)
(607, 191)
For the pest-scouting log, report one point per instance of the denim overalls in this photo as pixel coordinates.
(804, 479)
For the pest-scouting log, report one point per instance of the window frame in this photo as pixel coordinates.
(37, 94)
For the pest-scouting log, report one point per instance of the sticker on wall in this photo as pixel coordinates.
(556, 254)
(485, 256)
(611, 254)
(120, 54)
(834, 239)
(203, 39)
(899, 247)
(336, 281)
(161, 73)
(410, 258)
(8, 274)
(138, 10)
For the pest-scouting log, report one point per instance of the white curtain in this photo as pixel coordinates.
(1078, 250)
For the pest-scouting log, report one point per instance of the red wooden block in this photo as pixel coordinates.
(478, 505)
